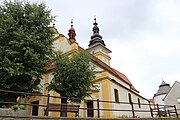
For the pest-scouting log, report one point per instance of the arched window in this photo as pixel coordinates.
(116, 95)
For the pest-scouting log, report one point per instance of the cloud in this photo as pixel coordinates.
(147, 60)
(142, 34)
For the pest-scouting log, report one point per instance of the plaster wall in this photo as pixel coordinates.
(159, 99)
(119, 81)
(173, 96)
(123, 97)
(62, 44)
(98, 49)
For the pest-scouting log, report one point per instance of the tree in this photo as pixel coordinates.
(25, 46)
(72, 77)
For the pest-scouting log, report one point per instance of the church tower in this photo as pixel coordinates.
(97, 46)
(164, 88)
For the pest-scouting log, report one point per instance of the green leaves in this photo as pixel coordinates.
(73, 76)
(25, 44)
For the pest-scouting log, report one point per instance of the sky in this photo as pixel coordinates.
(143, 35)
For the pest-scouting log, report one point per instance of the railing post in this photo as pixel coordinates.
(132, 109)
(176, 111)
(165, 110)
(158, 110)
(169, 113)
(47, 107)
(98, 111)
(150, 109)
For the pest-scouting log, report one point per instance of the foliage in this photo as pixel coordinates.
(73, 76)
(162, 113)
(25, 45)
(3, 106)
(21, 107)
(18, 107)
(15, 107)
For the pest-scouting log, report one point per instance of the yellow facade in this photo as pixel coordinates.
(101, 55)
(106, 96)
(105, 78)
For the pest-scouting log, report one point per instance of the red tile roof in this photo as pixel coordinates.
(152, 100)
(122, 76)
(125, 79)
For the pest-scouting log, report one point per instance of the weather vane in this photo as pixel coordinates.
(95, 18)
(71, 21)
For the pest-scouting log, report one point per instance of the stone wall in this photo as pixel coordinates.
(10, 112)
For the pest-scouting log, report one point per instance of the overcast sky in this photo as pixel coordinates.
(142, 34)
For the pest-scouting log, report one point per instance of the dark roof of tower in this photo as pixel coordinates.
(96, 38)
(163, 89)
(164, 84)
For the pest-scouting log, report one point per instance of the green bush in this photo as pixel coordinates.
(3, 106)
(18, 107)
(163, 113)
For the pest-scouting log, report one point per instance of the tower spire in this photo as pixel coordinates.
(95, 28)
(96, 38)
(72, 33)
(71, 21)
(95, 23)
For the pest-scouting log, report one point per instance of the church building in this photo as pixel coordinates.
(167, 95)
(112, 85)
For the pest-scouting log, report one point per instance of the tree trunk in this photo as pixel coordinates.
(63, 107)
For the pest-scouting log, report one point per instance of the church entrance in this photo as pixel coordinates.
(90, 111)
(35, 108)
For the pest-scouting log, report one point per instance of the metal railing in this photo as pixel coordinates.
(155, 110)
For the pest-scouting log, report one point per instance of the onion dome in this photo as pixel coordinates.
(96, 38)
(72, 33)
